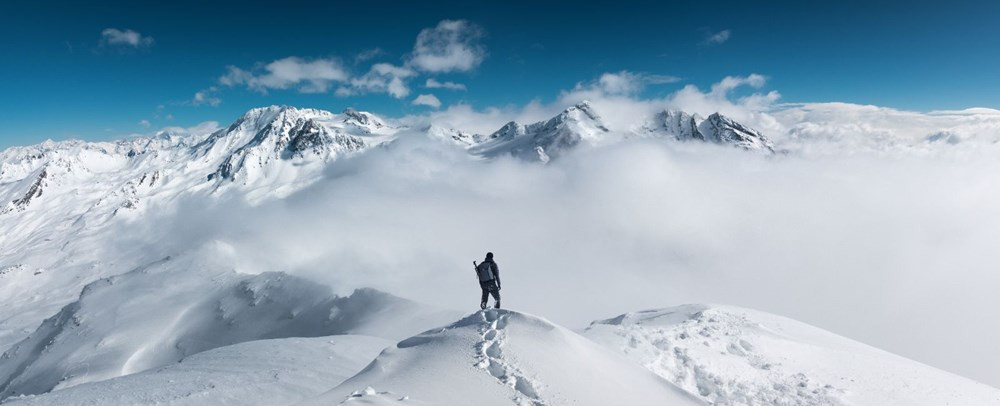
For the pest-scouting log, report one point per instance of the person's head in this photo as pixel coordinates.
(489, 256)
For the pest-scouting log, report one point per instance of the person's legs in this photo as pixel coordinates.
(496, 298)
(486, 295)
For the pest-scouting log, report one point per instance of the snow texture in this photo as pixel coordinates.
(733, 356)
(502, 357)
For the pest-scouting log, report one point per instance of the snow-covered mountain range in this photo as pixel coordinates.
(57, 197)
(90, 319)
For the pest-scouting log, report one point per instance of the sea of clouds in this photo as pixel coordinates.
(897, 251)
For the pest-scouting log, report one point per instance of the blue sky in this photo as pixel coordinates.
(97, 71)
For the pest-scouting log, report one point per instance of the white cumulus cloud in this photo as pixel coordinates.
(427, 100)
(451, 46)
(306, 75)
(114, 36)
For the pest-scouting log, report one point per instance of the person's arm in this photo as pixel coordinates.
(496, 273)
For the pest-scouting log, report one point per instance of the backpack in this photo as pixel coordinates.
(485, 271)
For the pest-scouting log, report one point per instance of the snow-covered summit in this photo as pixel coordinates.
(548, 139)
(717, 128)
(677, 124)
(724, 130)
(503, 357)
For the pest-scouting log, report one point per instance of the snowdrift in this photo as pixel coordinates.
(733, 356)
(502, 357)
(265, 372)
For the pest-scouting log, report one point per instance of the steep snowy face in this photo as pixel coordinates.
(545, 140)
(724, 130)
(502, 357)
(728, 355)
(674, 124)
(265, 139)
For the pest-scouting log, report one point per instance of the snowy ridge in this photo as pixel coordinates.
(185, 309)
(717, 128)
(692, 354)
(502, 357)
(733, 356)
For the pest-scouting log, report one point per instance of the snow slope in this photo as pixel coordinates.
(158, 314)
(502, 357)
(733, 356)
(265, 372)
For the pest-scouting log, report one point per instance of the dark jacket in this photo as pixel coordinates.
(488, 271)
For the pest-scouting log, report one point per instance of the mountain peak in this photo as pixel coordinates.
(583, 111)
(363, 119)
(724, 130)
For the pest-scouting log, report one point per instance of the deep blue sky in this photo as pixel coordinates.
(60, 81)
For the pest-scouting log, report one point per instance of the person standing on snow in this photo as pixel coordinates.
(489, 280)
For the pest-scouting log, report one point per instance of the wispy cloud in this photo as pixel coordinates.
(368, 54)
(451, 46)
(114, 36)
(434, 84)
(718, 37)
(145, 123)
(625, 82)
(427, 100)
(306, 75)
(206, 96)
(381, 78)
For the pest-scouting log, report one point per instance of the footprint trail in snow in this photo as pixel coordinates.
(490, 358)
